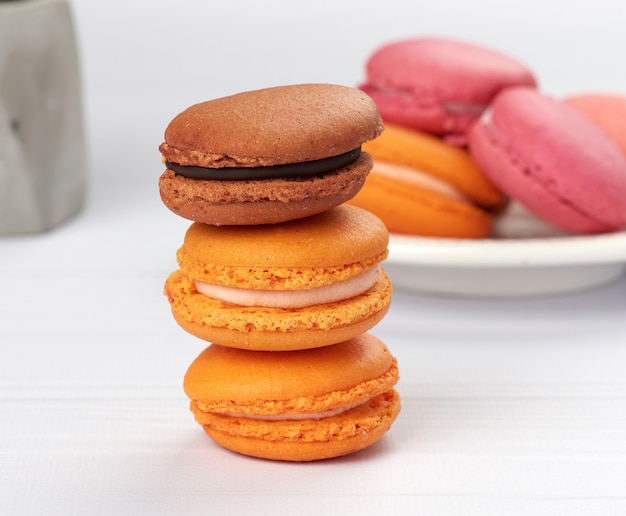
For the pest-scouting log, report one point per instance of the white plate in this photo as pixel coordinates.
(505, 267)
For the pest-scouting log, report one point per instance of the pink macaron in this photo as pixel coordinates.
(607, 110)
(552, 159)
(439, 85)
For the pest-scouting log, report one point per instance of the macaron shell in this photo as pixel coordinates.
(275, 329)
(223, 374)
(553, 160)
(283, 124)
(607, 111)
(268, 201)
(408, 209)
(326, 248)
(427, 153)
(325, 402)
(439, 85)
(310, 440)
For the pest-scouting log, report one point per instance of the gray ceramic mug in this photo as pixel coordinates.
(42, 141)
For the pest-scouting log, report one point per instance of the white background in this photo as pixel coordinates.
(146, 61)
(509, 407)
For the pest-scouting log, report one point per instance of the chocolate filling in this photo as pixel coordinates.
(303, 169)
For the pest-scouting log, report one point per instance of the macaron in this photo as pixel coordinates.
(607, 110)
(552, 159)
(269, 155)
(295, 405)
(299, 284)
(420, 185)
(439, 85)
(516, 222)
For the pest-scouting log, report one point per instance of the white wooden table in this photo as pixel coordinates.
(509, 407)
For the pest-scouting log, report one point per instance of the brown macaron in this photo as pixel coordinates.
(268, 156)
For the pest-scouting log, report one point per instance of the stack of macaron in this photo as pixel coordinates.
(278, 274)
(470, 139)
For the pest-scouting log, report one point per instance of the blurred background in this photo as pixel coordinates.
(143, 62)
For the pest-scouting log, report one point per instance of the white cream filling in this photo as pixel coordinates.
(415, 177)
(292, 298)
(458, 108)
(451, 107)
(299, 417)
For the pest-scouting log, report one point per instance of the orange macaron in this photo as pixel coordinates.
(606, 110)
(421, 185)
(300, 284)
(295, 405)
